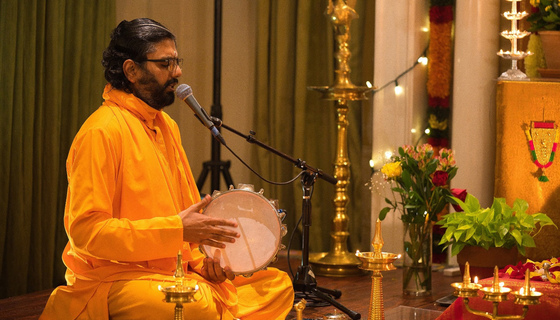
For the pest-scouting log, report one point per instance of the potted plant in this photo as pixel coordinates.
(545, 15)
(484, 230)
(545, 20)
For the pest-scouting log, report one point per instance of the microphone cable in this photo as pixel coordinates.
(260, 176)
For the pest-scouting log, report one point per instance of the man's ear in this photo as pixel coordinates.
(130, 70)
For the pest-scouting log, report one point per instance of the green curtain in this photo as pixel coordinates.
(295, 50)
(52, 79)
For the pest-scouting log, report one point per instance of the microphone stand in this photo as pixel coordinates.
(216, 166)
(304, 281)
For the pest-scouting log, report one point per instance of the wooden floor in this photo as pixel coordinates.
(355, 295)
(356, 291)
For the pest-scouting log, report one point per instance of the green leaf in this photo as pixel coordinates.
(528, 241)
(543, 220)
(452, 173)
(482, 216)
(456, 248)
(527, 221)
(407, 180)
(431, 166)
(552, 17)
(458, 234)
(470, 233)
(383, 213)
(502, 231)
(398, 190)
(471, 203)
(520, 205)
(517, 235)
(477, 235)
(499, 242)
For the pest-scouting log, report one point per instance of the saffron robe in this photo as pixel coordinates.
(129, 177)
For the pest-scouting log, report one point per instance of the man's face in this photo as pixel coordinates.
(156, 83)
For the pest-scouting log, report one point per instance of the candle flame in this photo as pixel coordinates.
(476, 279)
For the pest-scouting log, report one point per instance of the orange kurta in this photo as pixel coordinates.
(128, 179)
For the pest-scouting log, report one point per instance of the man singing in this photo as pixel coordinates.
(132, 203)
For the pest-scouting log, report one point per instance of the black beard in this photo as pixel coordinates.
(155, 95)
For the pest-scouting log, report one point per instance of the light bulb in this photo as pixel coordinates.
(398, 89)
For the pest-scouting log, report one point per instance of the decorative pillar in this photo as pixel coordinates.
(476, 68)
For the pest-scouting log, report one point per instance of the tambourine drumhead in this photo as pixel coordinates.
(258, 225)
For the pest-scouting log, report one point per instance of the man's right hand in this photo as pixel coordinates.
(201, 229)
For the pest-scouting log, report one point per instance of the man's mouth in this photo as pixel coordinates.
(172, 84)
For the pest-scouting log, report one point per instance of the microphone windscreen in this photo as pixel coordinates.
(183, 91)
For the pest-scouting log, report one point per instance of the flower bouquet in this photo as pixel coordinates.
(420, 178)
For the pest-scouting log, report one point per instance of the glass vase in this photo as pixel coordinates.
(417, 259)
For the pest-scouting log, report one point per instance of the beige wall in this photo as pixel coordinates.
(192, 21)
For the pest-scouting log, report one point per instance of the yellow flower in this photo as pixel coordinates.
(392, 170)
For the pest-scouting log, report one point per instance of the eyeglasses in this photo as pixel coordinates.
(170, 63)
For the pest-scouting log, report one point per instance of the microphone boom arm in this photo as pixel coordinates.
(297, 162)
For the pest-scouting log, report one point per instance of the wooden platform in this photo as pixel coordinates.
(355, 295)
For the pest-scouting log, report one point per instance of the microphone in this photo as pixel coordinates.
(184, 92)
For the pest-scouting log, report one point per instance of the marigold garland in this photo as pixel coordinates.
(439, 71)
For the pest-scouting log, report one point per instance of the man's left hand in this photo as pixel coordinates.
(212, 271)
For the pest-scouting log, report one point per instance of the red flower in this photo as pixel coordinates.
(440, 178)
(460, 194)
(441, 14)
(438, 102)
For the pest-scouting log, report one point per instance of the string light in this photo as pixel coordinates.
(421, 60)
(398, 89)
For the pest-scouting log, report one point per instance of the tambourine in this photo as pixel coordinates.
(259, 224)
